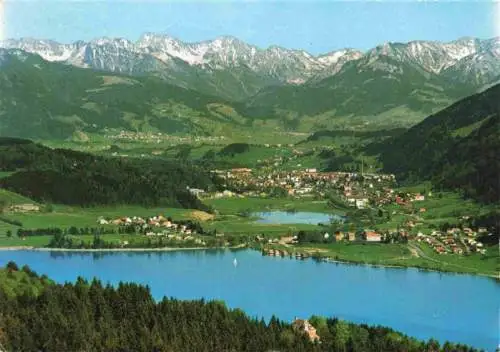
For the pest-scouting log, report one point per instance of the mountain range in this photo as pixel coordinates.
(245, 69)
(158, 83)
(45, 100)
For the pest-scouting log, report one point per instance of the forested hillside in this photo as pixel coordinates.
(90, 316)
(70, 177)
(44, 100)
(50, 100)
(457, 147)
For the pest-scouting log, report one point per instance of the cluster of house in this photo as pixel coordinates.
(359, 192)
(455, 240)
(150, 137)
(23, 208)
(305, 182)
(339, 236)
(158, 222)
(375, 189)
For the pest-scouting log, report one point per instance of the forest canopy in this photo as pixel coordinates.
(76, 178)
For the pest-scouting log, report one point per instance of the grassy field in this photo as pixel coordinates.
(6, 173)
(133, 240)
(229, 222)
(364, 253)
(66, 216)
(14, 241)
(235, 205)
(404, 256)
(440, 208)
(233, 218)
(241, 226)
(12, 198)
(488, 264)
(226, 222)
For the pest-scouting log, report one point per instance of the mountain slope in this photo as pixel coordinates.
(392, 85)
(373, 85)
(224, 66)
(457, 147)
(40, 99)
(236, 70)
(473, 164)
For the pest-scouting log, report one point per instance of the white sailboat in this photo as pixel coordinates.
(235, 262)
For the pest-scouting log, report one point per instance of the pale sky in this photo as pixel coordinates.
(316, 26)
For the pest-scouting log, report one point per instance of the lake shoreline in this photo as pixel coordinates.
(213, 275)
(394, 266)
(175, 249)
(331, 260)
(161, 249)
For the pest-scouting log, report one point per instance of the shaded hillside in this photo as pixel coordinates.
(366, 87)
(458, 147)
(473, 163)
(90, 316)
(39, 99)
(364, 135)
(70, 177)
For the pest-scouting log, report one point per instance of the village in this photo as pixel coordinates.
(157, 226)
(454, 241)
(360, 192)
(356, 189)
(159, 137)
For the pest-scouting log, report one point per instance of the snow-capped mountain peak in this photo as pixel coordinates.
(167, 57)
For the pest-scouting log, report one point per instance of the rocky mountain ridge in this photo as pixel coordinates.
(228, 64)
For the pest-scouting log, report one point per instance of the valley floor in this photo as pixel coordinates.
(238, 229)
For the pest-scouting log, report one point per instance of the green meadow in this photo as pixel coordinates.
(403, 255)
(234, 205)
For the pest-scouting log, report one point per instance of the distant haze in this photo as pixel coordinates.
(497, 19)
(317, 27)
(2, 21)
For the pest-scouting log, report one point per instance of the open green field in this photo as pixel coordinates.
(403, 255)
(134, 241)
(373, 253)
(234, 225)
(14, 241)
(440, 208)
(66, 216)
(234, 205)
(6, 173)
(12, 198)
(227, 221)
(234, 219)
(474, 263)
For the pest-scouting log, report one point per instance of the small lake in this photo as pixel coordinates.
(459, 308)
(299, 217)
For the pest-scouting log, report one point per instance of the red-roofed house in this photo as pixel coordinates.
(372, 236)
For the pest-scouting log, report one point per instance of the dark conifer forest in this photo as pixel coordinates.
(456, 148)
(76, 178)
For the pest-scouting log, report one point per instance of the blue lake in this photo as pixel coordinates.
(299, 217)
(459, 308)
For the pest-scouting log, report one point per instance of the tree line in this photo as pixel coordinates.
(76, 178)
